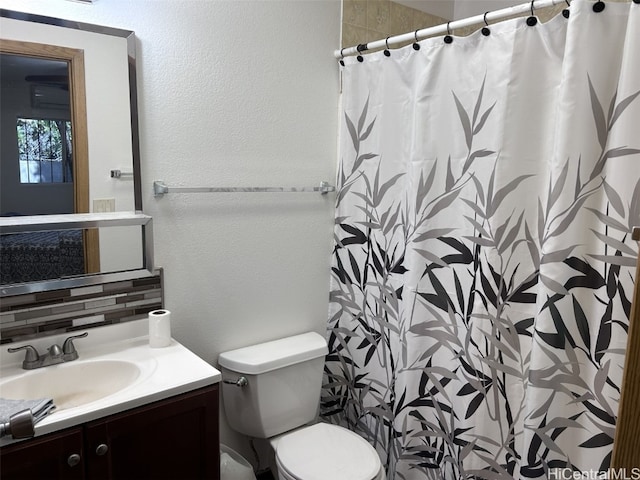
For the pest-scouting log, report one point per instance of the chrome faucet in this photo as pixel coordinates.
(54, 355)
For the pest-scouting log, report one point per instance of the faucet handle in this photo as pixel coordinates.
(55, 350)
(31, 354)
(68, 348)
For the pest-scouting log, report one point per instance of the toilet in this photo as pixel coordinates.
(272, 391)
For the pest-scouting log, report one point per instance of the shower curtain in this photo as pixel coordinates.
(483, 263)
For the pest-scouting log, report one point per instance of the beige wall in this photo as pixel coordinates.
(365, 21)
(369, 20)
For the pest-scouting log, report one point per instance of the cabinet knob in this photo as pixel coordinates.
(102, 449)
(73, 460)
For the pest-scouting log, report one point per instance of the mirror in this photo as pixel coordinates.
(68, 89)
(36, 309)
(131, 263)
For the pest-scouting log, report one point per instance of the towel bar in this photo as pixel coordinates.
(160, 189)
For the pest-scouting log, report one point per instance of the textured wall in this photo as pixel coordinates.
(234, 94)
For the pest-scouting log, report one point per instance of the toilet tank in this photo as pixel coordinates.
(284, 378)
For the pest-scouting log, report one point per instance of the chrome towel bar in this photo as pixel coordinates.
(160, 189)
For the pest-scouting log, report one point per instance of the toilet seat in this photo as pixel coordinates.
(323, 451)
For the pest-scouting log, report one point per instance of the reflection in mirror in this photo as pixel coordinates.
(133, 239)
(35, 136)
(34, 256)
(34, 309)
(44, 167)
(98, 104)
(58, 254)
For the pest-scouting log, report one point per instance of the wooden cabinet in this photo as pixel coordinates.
(172, 439)
(58, 455)
(176, 438)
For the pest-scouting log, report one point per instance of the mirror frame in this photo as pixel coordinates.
(74, 221)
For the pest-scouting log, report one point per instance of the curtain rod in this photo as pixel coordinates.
(447, 27)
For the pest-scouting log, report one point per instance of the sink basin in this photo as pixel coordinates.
(72, 384)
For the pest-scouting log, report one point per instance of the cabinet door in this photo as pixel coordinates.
(171, 439)
(55, 456)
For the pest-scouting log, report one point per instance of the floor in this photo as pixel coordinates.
(265, 476)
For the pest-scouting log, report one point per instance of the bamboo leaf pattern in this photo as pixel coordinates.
(598, 116)
(450, 293)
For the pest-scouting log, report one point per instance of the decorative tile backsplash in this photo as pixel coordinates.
(46, 313)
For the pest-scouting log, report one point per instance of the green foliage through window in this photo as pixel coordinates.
(44, 150)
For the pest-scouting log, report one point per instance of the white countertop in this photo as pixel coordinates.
(164, 372)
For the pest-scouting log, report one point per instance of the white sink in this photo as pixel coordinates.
(117, 371)
(72, 384)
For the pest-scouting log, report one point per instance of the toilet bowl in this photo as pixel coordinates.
(323, 451)
(272, 391)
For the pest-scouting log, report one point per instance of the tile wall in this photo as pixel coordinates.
(365, 21)
(46, 313)
(369, 20)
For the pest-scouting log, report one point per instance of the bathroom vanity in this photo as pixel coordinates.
(161, 421)
(172, 438)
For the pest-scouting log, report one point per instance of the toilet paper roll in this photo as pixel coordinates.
(159, 328)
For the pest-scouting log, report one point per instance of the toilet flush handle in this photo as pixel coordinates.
(239, 382)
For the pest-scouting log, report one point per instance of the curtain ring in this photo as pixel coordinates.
(598, 6)
(485, 30)
(532, 20)
(416, 45)
(386, 52)
(361, 48)
(565, 12)
(448, 38)
(342, 57)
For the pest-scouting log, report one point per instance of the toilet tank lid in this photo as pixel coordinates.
(268, 356)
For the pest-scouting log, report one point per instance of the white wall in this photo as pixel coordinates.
(234, 93)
